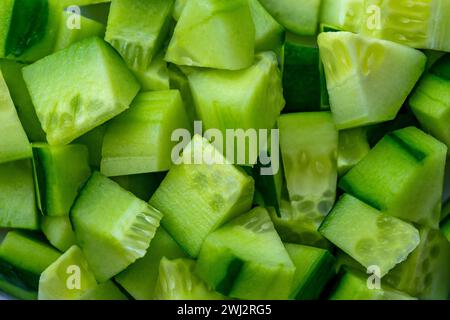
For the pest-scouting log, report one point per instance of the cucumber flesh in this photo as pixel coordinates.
(260, 269)
(207, 194)
(58, 231)
(345, 15)
(403, 175)
(358, 71)
(104, 291)
(353, 147)
(156, 76)
(113, 225)
(104, 88)
(380, 240)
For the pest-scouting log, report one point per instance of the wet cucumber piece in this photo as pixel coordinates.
(17, 196)
(141, 185)
(58, 231)
(403, 175)
(79, 88)
(352, 285)
(61, 172)
(140, 279)
(93, 140)
(139, 140)
(207, 189)
(12, 72)
(138, 28)
(22, 260)
(260, 269)
(346, 15)
(215, 34)
(309, 144)
(380, 240)
(112, 226)
(425, 274)
(358, 72)
(14, 143)
(314, 269)
(67, 278)
(298, 16)
(353, 147)
(423, 24)
(177, 281)
(156, 76)
(104, 291)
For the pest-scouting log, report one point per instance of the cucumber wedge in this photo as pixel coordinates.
(345, 15)
(138, 28)
(246, 259)
(214, 34)
(139, 140)
(358, 72)
(78, 88)
(156, 76)
(378, 239)
(58, 231)
(177, 281)
(353, 147)
(112, 226)
(208, 192)
(403, 175)
(104, 291)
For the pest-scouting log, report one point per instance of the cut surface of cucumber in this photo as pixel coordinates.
(58, 231)
(370, 237)
(113, 225)
(78, 88)
(353, 147)
(104, 291)
(358, 72)
(345, 15)
(156, 76)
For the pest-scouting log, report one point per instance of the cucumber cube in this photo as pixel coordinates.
(59, 232)
(370, 237)
(79, 88)
(353, 147)
(112, 226)
(156, 76)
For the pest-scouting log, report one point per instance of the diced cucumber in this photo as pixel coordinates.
(12, 72)
(140, 278)
(93, 140)
(215, 34)
(156, 76)
(298, 16)
(314, 269)
(370, 237)
(138, 28)
(246, 259)
(208, 193)
(301, 75)
(246, 99)
(22, 259)
(78, 88)
(353, 147)
(421, 24)
(345, 15)
(112, 225)
(139, 140)
(58, 231)
(353, 286)
(141, 185)
(14, 143)
(309, 145)
(17, 196)
(177, 281)
(178, 80)
(403, 175)
(67, 278)
(104, 291)
(358, 72)
(425, 274)
(445, 228)
(61, 172)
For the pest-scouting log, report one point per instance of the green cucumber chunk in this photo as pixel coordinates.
(14, 144)
(68, 278)
(140, 279)
(138, 28)
(298, 16)
(93, 140)
(353, 147)
(260, 269)
(214, 34)
(358, 72)
(178, 80)
(314, 269)
(442, 67)
(104, 291)
(142, 186)
(207, 189)
(177, 281)
(140, 139)
(379, 240)
(403, 175)
(156, 76)
(112, 226)
(61, 172)
(59, 232)
(17, 196)
(345, 15)
(77, 89)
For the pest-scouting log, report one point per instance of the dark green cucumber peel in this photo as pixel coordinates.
(28, 25)
(39, 181)
(414, 152)
(23, 279)
(233, 270)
